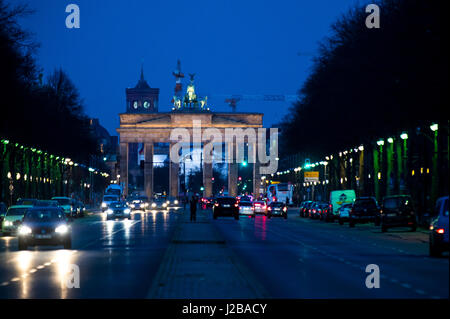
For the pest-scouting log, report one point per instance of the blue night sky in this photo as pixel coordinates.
(233, 46)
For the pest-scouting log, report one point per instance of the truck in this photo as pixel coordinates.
(114, 189)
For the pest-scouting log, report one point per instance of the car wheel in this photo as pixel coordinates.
(68, 244)
(269, 216)
(22, 245)
(285, 216)
(414, 228)
(351, 223)
(341, 222)
(214, 216)
(236, 217)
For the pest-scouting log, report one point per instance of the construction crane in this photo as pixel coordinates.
(232, 100)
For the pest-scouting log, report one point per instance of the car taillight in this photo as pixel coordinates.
(440, 230)
(216, 204)
(270, 208)
(236, 205)
(284, 209)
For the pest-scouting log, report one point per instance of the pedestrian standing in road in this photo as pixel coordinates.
(193, 207)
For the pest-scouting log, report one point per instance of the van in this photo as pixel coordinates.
(338, 198)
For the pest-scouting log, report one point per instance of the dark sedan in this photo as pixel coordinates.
(397, 211)
(364, 210)
(45, 226)
(277, 209)
(226, 206)
(118, 210)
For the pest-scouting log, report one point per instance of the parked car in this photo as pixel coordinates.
(309, 209)
(68, 205)
(398, 211)
(277, 209)
(246, 208)
(343, 213)
(118, 210)
(364, 210)
(304, 207)
(13, 218)
(260, 207)
(108, 199)
(226, 206)
(316, 210)
(439, 240)
(45, 226)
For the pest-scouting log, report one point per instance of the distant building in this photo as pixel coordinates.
(142, 98)
(108, 145)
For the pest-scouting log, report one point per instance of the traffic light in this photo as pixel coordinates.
(240, 178)
(202, 188)
(244, 164)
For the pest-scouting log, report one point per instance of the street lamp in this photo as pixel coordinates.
(390, 140)
(380, 142)
(404, 136)
(434, 127)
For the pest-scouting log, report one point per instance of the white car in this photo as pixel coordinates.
(13, 218)
(439, 228)
(260, 207)
(343, 213)
(246, 208)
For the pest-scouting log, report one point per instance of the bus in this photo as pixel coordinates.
(280, 192)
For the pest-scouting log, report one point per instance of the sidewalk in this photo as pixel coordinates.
(198, 264)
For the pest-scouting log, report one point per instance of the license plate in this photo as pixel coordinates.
(391, 215)
(226, 205)
(43, 236)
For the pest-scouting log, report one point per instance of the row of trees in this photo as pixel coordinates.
(46, 114)
(367, 83)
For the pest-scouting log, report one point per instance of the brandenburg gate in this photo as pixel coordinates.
(142, 123)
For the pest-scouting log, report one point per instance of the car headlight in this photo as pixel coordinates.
(146, 204)
(175, 202)
(104, 205)
(142, 205)
(133, 206)
(8, 223)
(109, 211)
(62, 229)
(168, 202)
(153, 204)
(127, 211)
(165, 205)
(24, 230)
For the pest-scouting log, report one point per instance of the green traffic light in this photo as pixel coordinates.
(244, 163)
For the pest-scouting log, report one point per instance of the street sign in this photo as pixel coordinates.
(311, 176)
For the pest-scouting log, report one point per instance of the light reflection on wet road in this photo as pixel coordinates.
(117, 259)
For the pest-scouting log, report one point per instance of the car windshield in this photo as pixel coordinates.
(110, 198)
(277, 204)
(245, 204)
(46, 203)
(370, 203)
(63, 201)
(396, 202)
(118, 205)
(44, 215)
(16, 211)
(226, 200)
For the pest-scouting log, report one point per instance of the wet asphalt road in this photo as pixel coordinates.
(117, 259)
(293, 258)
